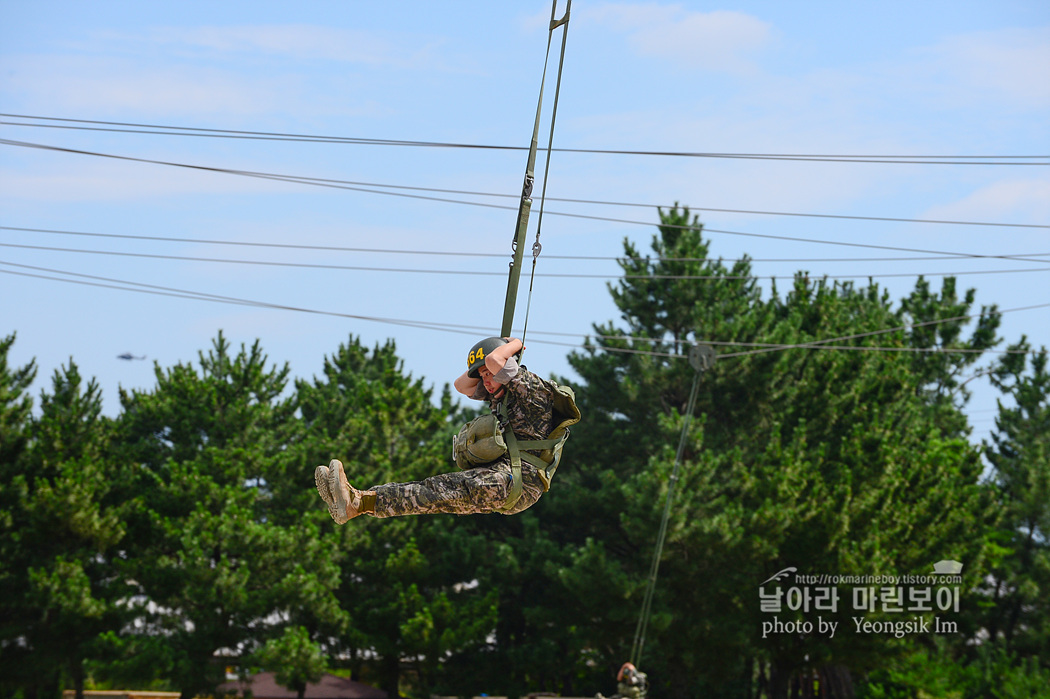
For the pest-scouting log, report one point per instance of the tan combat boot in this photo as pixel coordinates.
(343, 500)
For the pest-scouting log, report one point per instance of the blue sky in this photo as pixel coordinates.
(893, 78)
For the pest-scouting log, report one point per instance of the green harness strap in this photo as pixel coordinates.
(525, 205)
(515, 471)
(514, 447)
(567, 414)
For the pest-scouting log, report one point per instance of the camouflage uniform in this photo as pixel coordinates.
(530, 404)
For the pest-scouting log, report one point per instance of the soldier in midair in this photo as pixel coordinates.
(522, 404)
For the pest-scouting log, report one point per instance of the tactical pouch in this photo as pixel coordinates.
(480, 441)
(565, 415)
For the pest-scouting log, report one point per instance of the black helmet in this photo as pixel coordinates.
(476, 358)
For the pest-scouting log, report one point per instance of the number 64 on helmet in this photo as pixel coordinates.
(476, 358)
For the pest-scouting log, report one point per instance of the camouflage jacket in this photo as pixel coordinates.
(529, 402)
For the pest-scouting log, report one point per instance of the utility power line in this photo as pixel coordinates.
(154, 129)
(482, 273)
(467, 253)
(353, 185)
(316, 182)
(139, 287)
(906, 326)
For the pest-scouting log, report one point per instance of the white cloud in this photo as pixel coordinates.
(1017, 200)
(1011, 65)
(627, 16)
(303, 42)
(118, 85)
(239, 70)
(92, 180)
(721, 41)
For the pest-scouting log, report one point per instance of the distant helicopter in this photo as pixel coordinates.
(128, 356)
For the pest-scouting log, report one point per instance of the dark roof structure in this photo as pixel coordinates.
(264, 686)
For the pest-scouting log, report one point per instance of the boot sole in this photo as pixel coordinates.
(321, 481)
(342, 510)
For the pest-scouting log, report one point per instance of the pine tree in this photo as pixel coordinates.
(1020, 455)
(210, 566)
(64, 530)
(844, 461)
(15, 404)
(407, 582)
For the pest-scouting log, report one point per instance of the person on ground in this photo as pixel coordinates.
(630, 683)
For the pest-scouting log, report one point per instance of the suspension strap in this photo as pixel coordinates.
(525, 206)
(515, 460)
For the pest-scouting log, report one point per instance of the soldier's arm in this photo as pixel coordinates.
(466, 385)
(498, 357)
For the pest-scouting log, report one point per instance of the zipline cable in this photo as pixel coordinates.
(701, 357)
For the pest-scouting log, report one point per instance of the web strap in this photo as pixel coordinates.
(525, 206)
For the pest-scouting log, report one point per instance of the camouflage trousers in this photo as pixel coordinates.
(473, 491)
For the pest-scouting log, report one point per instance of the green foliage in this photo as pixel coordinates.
(828, 437)
(934, 674)
(208, 566)
(61, 533)
(15, 408)
(841, 461)
(294, 658)
(407, 582)
(1019, 590)
(15, 404)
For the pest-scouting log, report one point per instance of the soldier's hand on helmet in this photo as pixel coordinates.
(513, 339)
